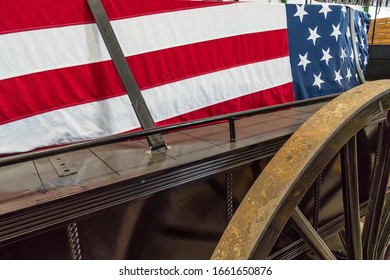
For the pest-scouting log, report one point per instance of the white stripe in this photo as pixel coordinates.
(191, 94)
(53, 48)
(115, 115)
(72, 124)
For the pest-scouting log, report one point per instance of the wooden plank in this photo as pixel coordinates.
(267, 124)
(132, 159)
(17, 181)
(382, 41)
(294, 114)
(217, 135)
(382, 31)
(185, 148)
(27, 189)
(263, 128)
(89, 169)
(310, 108)
(244, 135)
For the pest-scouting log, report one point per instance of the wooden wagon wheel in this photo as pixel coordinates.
(274, 196)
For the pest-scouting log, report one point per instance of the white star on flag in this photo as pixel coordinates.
(336, 31)
(303, 61)
(349, 75)
(348, 33)
(362, 44)
(338, 77)
(326, 56)
(318, 81)
(343, 54)
(344, 10)
(300, 12)
(313, 35)
(325, 10)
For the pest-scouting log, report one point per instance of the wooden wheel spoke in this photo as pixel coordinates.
(384, 236)
(312, 238)
(350, 186)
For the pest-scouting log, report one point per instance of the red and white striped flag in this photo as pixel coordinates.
(191, 59)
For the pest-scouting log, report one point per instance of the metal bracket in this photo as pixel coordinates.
(149, 152)
(61, 166)
(141, 110)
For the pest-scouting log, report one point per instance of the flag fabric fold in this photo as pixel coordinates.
(191, 59)
(321, 51)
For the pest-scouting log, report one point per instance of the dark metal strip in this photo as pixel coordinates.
(61, 166)
(74, 241)
(384, 235)
(377, 194)
(351, 200)
(317, 200)
(229, 196)
(117, 56)
(232, 129)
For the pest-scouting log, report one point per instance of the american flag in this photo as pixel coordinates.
(191, 59)
(321, 50)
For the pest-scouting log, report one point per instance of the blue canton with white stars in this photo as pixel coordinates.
(321, 52)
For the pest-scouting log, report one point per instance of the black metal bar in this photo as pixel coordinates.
(317, 200)
(123, 69)
(350, 186)
(74, 241)
(341, 234)
(307, 232)
(229, 196)
(232, 129)
(377, 193)
(379, 143)
(133, 135)
(375, 18)
(384, 237)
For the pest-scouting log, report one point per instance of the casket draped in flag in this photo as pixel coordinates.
(190, 59)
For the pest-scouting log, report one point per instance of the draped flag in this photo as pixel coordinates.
(191, 59)
(321, 48)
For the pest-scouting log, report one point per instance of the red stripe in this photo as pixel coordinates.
(22, 15)
(41, 92)
(272, 96)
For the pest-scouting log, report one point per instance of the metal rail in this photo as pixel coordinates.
(138, 134)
